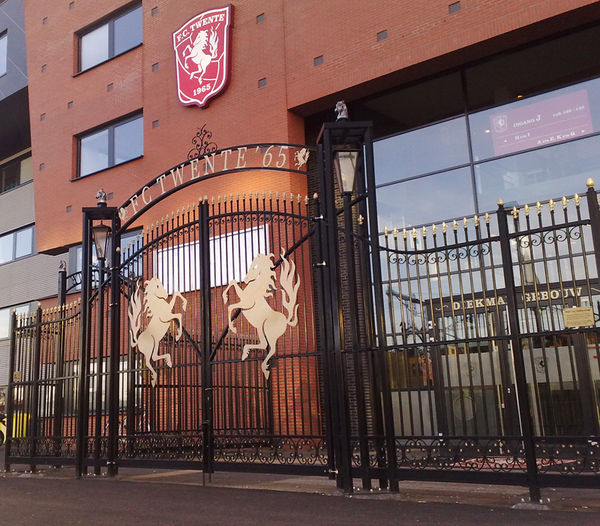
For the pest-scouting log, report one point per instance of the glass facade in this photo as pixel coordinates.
(522, 127)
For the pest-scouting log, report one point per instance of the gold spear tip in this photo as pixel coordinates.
(500, 202)
(590, 182)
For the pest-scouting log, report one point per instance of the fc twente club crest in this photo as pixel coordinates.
(202, 49)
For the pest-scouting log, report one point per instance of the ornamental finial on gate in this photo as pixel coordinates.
(202, 143)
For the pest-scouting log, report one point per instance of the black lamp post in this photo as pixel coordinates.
(346, 156)
(101, 234)
(106, 238)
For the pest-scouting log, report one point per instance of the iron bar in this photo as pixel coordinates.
(517, 352)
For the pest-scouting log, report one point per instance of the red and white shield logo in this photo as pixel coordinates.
(202, 59)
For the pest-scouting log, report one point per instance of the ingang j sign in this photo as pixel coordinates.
(202, 47)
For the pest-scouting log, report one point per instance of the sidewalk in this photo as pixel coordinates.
(497, 496)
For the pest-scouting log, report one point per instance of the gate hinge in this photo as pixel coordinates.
(320, 264)
(318, 218)
(333, 471)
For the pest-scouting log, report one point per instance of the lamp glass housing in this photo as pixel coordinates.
(101, 236)
(345, 164)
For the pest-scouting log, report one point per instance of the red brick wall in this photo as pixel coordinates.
(281, 48)
(345, 33)
(242, 114)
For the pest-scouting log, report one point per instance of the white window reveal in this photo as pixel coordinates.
(179, 267)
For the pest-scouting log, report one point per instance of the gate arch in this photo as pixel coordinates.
(197, 383)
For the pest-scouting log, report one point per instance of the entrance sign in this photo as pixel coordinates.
(202, 56)
(278, 156)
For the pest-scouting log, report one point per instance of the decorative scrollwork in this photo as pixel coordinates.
(271, 450)
(466, 454)
(438, 255)
(202, 143)
(555, 455)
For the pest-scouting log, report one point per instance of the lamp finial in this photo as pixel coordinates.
(101, 197)
(342, 110)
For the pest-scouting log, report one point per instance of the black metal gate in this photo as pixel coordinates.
(213, 401)
(276, 332)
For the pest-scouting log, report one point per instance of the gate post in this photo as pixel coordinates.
(99, 367)
(384, 374)
(594, 211)
(84, 344)
(519, 363)
(115, 343)
(34, 416)
(205, 331)
(91, 214)
(9, 395)
(60, 359)
(335, 384)
(324, 309)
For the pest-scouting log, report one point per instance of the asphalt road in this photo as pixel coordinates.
(29, 500)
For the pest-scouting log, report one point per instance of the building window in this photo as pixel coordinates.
(111, 145)
(178, 267)
(3, 52)
(17, 244)
(16, 171)
(119, 34)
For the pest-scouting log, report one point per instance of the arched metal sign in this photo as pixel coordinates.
(278, 157)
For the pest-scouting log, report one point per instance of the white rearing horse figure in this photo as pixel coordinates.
(269, 323)
(160, 313)
(196, 53)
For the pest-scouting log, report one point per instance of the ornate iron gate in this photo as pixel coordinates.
(232, 384)
(279, 333)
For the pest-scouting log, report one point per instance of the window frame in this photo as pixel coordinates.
(14, 233)
(18, 158)
(4, 35)
(110, 127)
(108, 20)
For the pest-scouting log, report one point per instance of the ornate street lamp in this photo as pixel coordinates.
(345, 158)
(345, 163)
(101, 236)
(101, 226)
(101, 233)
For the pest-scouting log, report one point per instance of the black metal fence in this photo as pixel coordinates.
(490, 340)
(239, 408)
(42, 401)
(278, 333)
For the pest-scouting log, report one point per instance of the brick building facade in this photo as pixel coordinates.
(290, 61)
